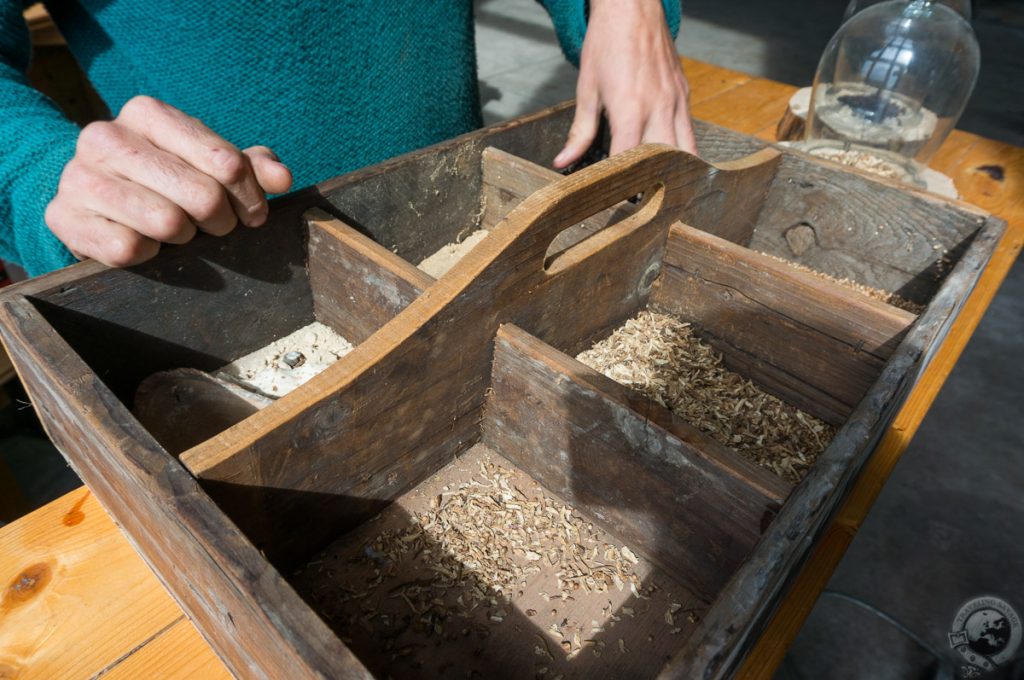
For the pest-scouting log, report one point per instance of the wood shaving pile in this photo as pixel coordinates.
(486, 560)
(885, 296)
(862, 160)
(486, 537)
(662, 357)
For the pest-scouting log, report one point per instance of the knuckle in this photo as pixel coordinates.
(166, 222)
(98, 135)
(122, 251)
(205, 200)
(139, 107)
(53, 216)
(231, 166)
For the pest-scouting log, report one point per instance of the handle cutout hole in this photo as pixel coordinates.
(576, 242)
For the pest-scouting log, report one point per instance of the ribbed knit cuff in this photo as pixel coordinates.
(37, 249)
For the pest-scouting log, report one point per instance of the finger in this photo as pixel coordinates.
(127, 203)
(660, 128)
(273, 175)
(627, 130)
(584, 127)
(127, 154)
(188, 138)
(96, 237)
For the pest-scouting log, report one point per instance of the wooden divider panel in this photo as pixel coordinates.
(687, 503)
(728, 203)
(408, 399)
(358, 285)
(814, 343)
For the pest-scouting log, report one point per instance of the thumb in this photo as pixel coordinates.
(273, 175)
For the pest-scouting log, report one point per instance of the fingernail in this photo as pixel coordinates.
(560, 158)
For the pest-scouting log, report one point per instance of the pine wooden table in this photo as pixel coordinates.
(78, 602)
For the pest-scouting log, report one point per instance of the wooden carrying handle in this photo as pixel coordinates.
(657, 171)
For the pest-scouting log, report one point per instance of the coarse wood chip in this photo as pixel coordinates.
(663, 358)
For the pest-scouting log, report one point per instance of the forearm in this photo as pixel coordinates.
(570, 20)
(36, 141)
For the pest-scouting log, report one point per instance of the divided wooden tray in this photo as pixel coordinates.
(482, 358)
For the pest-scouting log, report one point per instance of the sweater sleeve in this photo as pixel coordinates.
(36, 142)
(570, 19)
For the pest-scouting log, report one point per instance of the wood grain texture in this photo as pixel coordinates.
(183, 407)
(735, 622)
(243, 606)
(319, 456)
(357, 284)
(712, 207)
(809, 341)
(627, 462)
(961, 157)
(77, 599)
(252, 281)
(869, 230)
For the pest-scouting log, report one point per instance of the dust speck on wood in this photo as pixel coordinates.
(664, 359)
(885, 296)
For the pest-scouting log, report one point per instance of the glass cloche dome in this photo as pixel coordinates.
(962, 7)
(893, 82)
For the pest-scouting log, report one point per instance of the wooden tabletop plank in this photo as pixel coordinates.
(748, 108)
(104, 612)
(77, 599)
(178, 652)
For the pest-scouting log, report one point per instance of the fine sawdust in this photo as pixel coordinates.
(266, 370)
(480, 570)
(863, 160)
(885, 296)
(438, 264)
(664, 359)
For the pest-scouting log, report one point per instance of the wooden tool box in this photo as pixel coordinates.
(479, 363)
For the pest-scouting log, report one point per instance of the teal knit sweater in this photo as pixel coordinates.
(330, 85)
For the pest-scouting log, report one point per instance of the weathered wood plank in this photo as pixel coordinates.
(252, 281)
(357, 284)
(425, 372)
(508, 180)
(688, 504)
(715, 650)
(243, 606)
(872, 231)
(808, 340)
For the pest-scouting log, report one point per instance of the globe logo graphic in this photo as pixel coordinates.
(988, 631)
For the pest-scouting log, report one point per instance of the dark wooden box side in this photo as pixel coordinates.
(249, 614)
(675, 495)
(863, 228)
(130, 323)
(417, 203)
(730, 627)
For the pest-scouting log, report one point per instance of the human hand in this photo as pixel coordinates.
(155, 175)
(629, 68)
